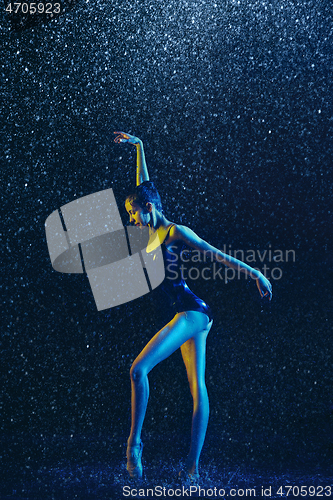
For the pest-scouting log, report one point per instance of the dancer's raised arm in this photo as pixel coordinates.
(141, 166)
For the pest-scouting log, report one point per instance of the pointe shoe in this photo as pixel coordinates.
(134, 464)
(189, 477)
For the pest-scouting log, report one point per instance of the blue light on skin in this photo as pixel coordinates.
(138, 215)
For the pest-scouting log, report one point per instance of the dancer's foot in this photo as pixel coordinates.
(134, 464)
(189, 478)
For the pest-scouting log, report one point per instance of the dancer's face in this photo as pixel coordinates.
(138, 215)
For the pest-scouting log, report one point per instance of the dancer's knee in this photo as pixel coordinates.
(198, 390)
(137, 372)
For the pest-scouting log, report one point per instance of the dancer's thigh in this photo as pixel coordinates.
(194, 357)
(181, 328)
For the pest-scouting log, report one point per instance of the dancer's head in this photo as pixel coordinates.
(143, 203)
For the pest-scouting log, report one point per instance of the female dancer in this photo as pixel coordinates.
(190, 325)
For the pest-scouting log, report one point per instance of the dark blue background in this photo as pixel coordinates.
(233, 103)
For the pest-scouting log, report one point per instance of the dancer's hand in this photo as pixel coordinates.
(124, 137)
(264, 287)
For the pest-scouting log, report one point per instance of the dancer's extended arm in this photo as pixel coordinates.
(141, 166)
(192, 240)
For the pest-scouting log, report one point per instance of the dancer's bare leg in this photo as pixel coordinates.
(180, 329)
(194, 356)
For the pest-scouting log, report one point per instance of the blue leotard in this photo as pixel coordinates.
(173, 291)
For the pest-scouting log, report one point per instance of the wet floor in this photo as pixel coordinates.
(93, 467)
